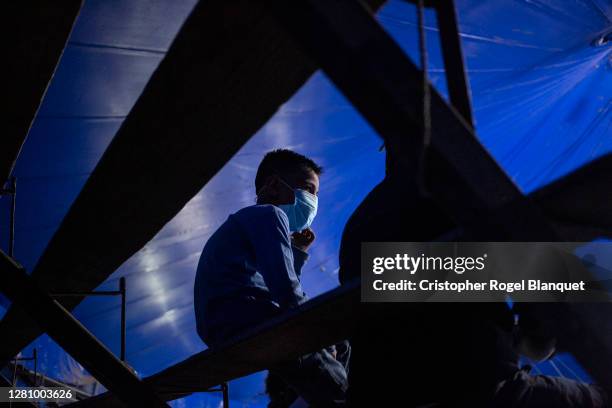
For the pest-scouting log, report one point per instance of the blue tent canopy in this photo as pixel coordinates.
(541, 80)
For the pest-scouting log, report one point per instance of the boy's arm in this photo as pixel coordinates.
(299, 259)
(300, 242)
(269, 235)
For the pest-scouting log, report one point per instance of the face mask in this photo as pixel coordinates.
(303, 210)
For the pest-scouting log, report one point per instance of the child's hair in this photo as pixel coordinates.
(283, 161)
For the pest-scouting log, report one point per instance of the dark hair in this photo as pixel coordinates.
(283, 161)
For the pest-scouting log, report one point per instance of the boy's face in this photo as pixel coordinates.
(278, 193)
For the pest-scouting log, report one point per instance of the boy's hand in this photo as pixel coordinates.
(303, 239)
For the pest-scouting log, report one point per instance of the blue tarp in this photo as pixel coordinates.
(541, 79)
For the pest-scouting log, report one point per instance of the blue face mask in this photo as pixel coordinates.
(303, 210)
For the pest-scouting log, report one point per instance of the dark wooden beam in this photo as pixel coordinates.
(37, 33)
(581, 202)
(322, 321)
(228, 70)
(577, 205)
(73, 337)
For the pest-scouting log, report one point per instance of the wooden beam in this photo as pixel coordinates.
(330, 317)
(37, 34)
(580, 203)
(73, 337)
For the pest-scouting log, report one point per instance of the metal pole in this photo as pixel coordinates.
(122, 290)
(14, 382)
(13, 192)
(35, 356)
(225, 389)
(454, 66)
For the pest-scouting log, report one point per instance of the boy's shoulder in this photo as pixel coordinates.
(261, 211)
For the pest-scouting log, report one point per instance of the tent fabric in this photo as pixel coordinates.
(540, 76)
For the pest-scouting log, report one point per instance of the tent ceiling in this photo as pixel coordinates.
(542, 101)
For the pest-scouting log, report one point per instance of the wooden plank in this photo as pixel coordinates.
(37, 34)
(62, 327)
(580, 203)
(323, 320)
